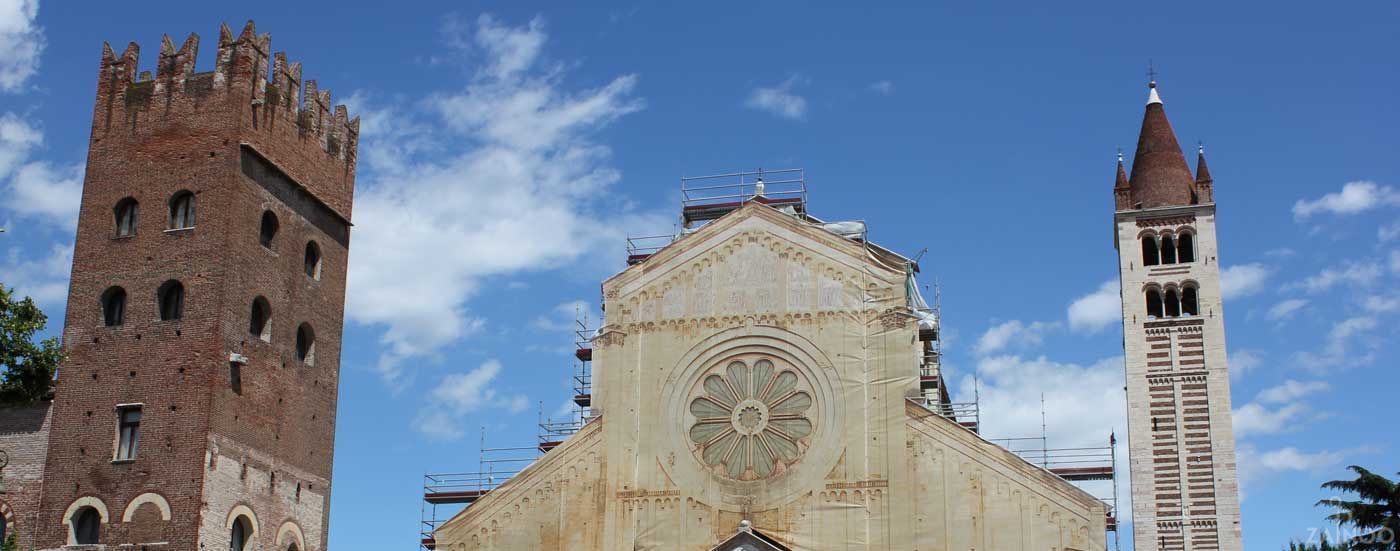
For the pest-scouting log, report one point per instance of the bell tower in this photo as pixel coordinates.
(1185, 492)
(196, 409)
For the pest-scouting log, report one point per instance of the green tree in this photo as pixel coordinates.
(1323, 545)
(12, 542)
(1375, 513)
(29, 365)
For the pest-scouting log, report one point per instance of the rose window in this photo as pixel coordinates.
(751, 420)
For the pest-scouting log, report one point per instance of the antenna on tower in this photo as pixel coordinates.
(1151, 74)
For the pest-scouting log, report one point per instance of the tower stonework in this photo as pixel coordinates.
(196, 409)
(1185, 492)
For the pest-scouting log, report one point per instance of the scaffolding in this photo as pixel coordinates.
(1076, 465)
(446, 494)
(707, 198)
(555, 431)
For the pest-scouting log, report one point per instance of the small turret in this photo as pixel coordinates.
(1204, 191)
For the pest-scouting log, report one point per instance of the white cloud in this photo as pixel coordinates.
(1242, 361)
(1256, 466)
(1291, 390)
(564, 316)
(882, 87)
(21, 42)
(1353, 198)
(1388, 233)
(494, 180)
(1337, 351)
(1095, 311)
(459, 394)
(17, 139)
(779, 100)
(1381, 304)
(1285, 309)
(45, 279)
(46, 192)
(1359, 274)
(1013, 334)
(1242, 280)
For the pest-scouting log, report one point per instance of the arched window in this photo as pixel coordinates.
(1149, 250)
(269, 229)
(1172, 304)
(313, 260)
(127, 212)
(306, 344)
(1190, 304)
(1154, 303)
(1168, 250)
(260, 320)
(1186, 248)
(182, 210)
(171, 298)
(239, 535)
(113, 306)
(87, 526)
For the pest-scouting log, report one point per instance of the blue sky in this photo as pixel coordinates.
(531, 138)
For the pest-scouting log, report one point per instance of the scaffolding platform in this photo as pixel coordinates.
(705, 198)
(1075, 465)
(446, 494)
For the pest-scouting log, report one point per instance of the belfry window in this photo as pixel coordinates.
(268, 230)
(260, 320)
(182, 211)
(127, 212)
(1154, 303)
(306, 344)
(1168, 250)
(1190, 305)
(171, 298)
(313, 260)
(1185, 248)
(1172, 303)
(1149, 250)
(113, 306)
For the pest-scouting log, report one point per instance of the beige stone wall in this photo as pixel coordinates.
(287, 508)
(758, 370)
(1184, 486)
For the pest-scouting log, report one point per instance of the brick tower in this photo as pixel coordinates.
(1181, 446)
(196, 409)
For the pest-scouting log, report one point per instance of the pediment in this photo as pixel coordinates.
(754, 261)
(750, 541)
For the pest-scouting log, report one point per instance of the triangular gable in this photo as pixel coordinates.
(750, 540)
(848, 255)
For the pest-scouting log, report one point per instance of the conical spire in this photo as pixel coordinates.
(1160, 176)
(1122, 181)
(1202, 171)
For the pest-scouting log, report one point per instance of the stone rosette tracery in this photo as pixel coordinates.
(751, 419)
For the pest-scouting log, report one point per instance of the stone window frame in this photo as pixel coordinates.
(71, 513)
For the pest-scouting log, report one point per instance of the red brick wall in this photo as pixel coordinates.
(242, 146)
(24, 436)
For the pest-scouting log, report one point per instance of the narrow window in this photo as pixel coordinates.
(313, 260)
(172, 300)
(260, 320)
(126, 211)
(128, 432)
(238, 537)
(182, 211)
(113, 306)
(235, 377)
(1189, 304)
(1154, 303)
(87, 524)
(1149, 250)
(1154, 424)
(1186, 248)
(1168, 250)
(306, 344)
(1173, 304)
(269, 229)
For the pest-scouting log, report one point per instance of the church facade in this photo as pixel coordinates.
(757, 386)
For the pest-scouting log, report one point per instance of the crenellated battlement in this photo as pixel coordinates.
(251, 90)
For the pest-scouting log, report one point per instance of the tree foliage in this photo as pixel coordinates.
(1375, 514)
(1323, 545)
(29, 365)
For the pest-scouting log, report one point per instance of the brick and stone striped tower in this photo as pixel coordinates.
(196, 409)
(1185, 492)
